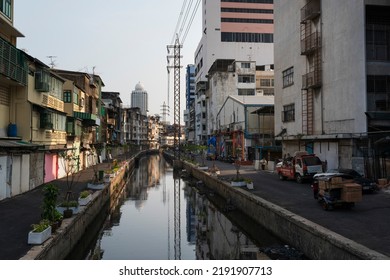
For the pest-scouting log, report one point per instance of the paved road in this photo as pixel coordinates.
(367, 223)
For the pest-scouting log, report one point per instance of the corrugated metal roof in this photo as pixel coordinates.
(18, 144)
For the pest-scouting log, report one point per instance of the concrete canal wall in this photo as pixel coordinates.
(63, 241)
(315, 241)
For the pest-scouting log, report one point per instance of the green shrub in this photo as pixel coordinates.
(84, 194)
(43, 224)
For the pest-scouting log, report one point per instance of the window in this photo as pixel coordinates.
(245, 65)
(76, 97)
(247, 20)
(246, 91)
(67, 96)
(265, 82)
(378, 93)
(378, 42)
(288, 113)
(247, 11)
(247, 37)
(246, 79)
(5, 7)
(288, 77)
(378, 33)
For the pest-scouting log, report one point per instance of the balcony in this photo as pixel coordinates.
(52, 102)
(310, 43)
(111, 122)
(13, 64)
(311, 10)
(312, 80)
(88, 118)
(42, 78)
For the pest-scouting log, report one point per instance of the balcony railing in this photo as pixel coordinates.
(13, 63)
(88, 118)
(311, 10)
(312, 80)
(310, 43)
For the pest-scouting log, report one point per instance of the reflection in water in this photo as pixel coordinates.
(142, 225)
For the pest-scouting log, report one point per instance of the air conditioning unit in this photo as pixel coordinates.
(81, 102)
(42, 87)
(230, 68)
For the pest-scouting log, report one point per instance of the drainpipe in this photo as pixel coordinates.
(31, 128)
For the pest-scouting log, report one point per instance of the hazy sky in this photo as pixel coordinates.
(125, 40)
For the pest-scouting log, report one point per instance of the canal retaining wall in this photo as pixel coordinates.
(315, 241)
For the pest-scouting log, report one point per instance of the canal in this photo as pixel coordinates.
(162, 215)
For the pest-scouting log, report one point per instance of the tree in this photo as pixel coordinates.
(71, 166)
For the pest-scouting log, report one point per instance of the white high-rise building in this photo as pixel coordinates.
(239, 30)
(139, 98)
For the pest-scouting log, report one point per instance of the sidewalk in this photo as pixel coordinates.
(19, 212)
(366, 223)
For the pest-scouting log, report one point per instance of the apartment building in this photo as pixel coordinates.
(332, 89)
(113, 131)
(189, 112)
(84, 92)
(135, 127)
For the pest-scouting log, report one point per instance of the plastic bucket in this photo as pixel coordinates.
(12, 130)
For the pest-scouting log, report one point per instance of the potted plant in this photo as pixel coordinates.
(238, 182)
(58, 217)
(49, 211)
(84, 198)
(40, 232)
(249, 184)
(68, 208)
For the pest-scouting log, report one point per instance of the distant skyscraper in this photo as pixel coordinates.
(139, 98)
(190, 85)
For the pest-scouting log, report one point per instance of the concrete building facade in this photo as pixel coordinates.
(332, 67)
(232, 30)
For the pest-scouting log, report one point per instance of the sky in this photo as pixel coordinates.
(124, 41)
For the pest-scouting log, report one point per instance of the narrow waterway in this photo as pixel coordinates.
(162, 216)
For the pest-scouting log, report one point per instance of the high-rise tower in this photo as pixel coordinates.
(139, 98)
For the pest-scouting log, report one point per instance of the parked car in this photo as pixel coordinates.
(368, 185)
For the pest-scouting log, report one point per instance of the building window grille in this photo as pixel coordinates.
(246, 91)
(288, 113)
(288, 77)
(67, 96)
(247, 79)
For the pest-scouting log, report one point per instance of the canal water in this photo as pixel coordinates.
(163, 215)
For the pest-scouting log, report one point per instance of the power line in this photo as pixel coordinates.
(178, 21)
(185, 18)
(191, 20)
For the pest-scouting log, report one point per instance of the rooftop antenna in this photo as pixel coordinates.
(52, 61)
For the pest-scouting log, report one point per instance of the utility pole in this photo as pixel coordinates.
(176, 94)
(176, 113)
